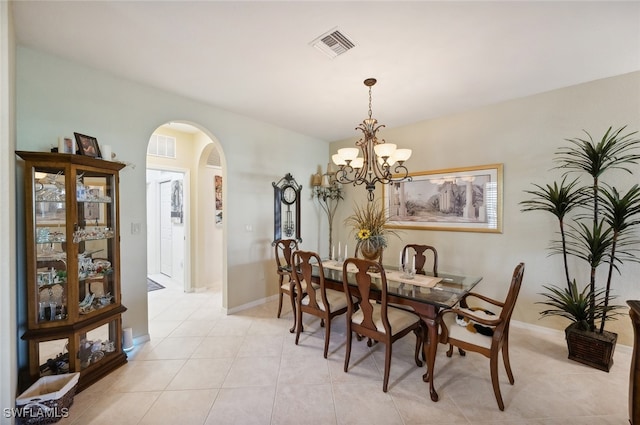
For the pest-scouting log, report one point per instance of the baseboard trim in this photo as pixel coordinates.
(252, 304)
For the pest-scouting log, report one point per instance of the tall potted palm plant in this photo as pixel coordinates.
(596, 224)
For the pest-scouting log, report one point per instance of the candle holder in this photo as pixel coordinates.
(328, 192)
(407, 272)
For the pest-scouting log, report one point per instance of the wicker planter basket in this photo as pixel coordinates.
(47, 400)
(591, 348)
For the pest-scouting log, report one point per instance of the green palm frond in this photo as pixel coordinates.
(559, 200)
(576, 305)
(612, 151)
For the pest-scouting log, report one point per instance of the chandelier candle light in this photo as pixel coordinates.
(378, 157)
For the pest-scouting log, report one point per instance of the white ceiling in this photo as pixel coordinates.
(254, 58)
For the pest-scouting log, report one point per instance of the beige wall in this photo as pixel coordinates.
(523, 135)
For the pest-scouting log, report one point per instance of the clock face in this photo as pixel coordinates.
(289, 195)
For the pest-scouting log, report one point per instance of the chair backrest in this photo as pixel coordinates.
(284, 248)
(512, 296)
(421, 258)
(364, 292)
(302, 271)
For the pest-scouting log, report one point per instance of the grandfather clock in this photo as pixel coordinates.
(286, 209)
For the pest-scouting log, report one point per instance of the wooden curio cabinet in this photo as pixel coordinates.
(73, 265)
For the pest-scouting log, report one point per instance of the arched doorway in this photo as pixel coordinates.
(184, 227)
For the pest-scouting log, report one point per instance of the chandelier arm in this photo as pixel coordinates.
(372, 171)
(400, 168)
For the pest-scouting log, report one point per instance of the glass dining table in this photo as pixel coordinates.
(425, 293)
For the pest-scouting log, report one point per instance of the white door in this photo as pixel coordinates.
(166, 237)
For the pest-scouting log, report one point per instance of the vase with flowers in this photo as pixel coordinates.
(369, 225)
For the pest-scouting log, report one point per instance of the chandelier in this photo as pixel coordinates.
(380, 162)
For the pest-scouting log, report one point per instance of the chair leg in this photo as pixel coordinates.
(293, 310)
(327, 335)
(347, 353)
(419, 343)
(450, 350)
(298, 324)
(424, 334)
(387, 366)
(493, 362)
(505, 359)
(279, 304)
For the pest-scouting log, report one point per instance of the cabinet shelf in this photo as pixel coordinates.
(72, 237)
(78, 238)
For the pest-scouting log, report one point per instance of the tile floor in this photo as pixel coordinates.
(203, 368)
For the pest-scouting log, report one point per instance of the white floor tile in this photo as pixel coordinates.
(202, 367)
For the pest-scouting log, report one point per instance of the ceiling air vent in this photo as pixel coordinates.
(333, 43)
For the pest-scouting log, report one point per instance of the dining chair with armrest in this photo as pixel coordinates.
(420, 256)
(376, 320)
(493, 335)
(284, 248)
(319, 301)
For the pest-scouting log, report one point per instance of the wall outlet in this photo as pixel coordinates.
(136, 228)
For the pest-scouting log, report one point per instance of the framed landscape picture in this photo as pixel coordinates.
(459, 199)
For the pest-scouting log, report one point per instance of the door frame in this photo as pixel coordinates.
(187, 286)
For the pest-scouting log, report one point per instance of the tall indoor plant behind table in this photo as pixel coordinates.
(596, 225)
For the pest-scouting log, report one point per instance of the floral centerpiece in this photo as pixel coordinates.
(369, 225)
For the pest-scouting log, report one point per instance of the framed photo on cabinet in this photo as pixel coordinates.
(87, 145)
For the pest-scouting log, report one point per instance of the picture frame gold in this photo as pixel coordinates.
(437, 200)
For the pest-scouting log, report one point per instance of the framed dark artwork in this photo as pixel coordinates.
(218, 198)
(465, 199)
(177, 195)
(87, 145)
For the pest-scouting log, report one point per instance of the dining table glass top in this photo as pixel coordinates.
(444, 291)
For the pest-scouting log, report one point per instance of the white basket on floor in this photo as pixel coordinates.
(47, 400)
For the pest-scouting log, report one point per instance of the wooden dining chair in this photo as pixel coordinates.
(421, 258)
(284, 248)
(474, 329)
(376, 320)
(319, 301)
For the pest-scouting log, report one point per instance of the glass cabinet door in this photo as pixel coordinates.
(51, 244)
(94, 236)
